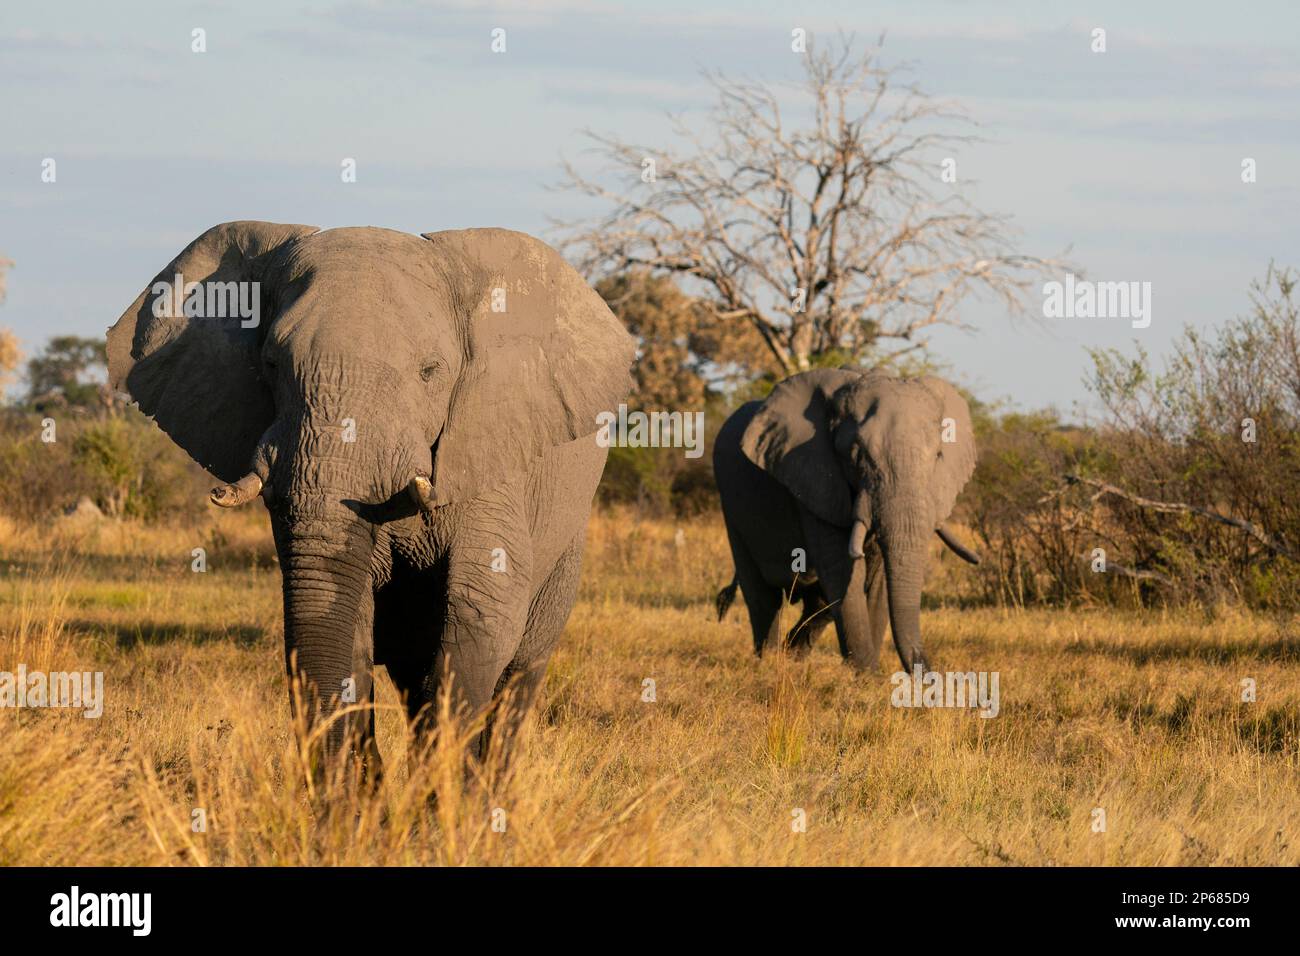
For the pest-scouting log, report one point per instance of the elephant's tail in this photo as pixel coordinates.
(726, 596)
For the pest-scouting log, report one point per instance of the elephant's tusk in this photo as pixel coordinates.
(241, 492)
(857, 538)
(861, 523)
(957, 548)
(422, 493)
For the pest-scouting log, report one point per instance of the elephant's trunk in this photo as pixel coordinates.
(904, 548)
(327, 577)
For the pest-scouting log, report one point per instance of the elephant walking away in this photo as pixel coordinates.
(418, 416)
(831, 488)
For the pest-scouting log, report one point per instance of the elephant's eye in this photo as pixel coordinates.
(430, 370)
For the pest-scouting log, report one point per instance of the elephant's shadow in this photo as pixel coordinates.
(1282, 650)
(129, 635)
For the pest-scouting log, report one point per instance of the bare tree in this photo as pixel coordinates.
(836, 238)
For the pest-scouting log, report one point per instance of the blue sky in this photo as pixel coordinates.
(1131, 157)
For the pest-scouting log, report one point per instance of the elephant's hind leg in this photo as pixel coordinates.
(816, 617)
(764, 605)
(762, 600)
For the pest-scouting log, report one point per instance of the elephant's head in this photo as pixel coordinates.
(880, 456)
(384, 373)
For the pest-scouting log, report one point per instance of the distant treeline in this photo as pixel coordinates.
(1186, 490)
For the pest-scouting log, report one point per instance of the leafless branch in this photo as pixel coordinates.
(833, 236)
(1135, 573)
(1178, 507)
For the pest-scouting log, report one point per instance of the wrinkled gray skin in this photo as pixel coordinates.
(474, 431)
(851, 467)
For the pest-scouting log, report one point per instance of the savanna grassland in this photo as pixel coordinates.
(1138, 713)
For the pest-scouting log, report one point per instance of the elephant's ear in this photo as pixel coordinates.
(199, 375)
(956, 458)
(543, 357)
(789, 438)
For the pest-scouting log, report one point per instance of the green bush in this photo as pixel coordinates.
(664, 481)
(120, 460)
(1214, 432)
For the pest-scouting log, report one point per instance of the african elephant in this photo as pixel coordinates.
(853, 470)
(418, 416)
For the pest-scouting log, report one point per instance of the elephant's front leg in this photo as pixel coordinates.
(844, 584)
(488, 583)
(877, 610)
(858, 642)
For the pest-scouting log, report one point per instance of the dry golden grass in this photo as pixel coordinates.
(1137, 714)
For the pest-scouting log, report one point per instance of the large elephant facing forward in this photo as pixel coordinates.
(418, 415)
(831, 488)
